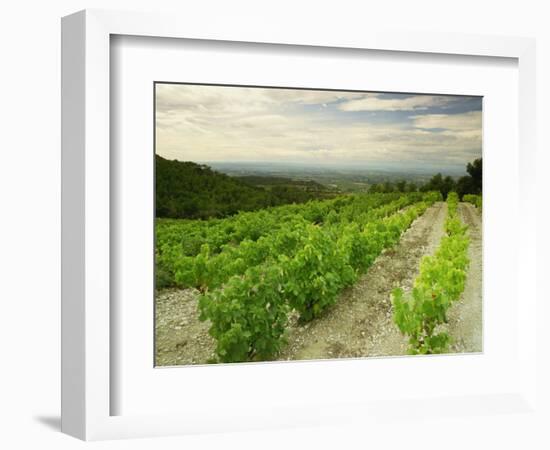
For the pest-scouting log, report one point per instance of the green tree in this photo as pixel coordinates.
(464, 186)
(440, 184)
(412, 187)
(388, 187)
(475, 169)
(401, 186)
(447, 186)
(435, 184)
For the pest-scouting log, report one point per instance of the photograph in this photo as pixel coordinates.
(297, 224)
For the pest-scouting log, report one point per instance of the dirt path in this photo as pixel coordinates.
(360, 324)
(466, 315)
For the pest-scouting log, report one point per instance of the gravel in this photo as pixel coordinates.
(180, 338)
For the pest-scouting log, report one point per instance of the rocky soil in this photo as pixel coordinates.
(466, 315)
(180, 338)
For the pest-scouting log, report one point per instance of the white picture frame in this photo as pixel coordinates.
(87, 386)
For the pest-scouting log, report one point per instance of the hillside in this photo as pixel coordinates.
(194, 191)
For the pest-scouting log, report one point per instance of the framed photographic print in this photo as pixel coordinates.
(291, 222)
(319, 215)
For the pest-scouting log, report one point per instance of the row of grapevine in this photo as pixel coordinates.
(249, 312)
(184, 247)
(191, 234)
(209, 270)
(421, 313)
(475, 200)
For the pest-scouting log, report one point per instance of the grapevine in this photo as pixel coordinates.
(248, 312)
(420, 314)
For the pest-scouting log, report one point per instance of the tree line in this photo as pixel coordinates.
(468, 184)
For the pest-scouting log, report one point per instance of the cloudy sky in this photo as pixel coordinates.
(221, 123)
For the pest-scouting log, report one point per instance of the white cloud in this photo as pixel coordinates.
(377, 102)
(229, 100)
(470, 121)
(306, 97)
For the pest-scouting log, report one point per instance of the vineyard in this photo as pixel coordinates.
(285, 282)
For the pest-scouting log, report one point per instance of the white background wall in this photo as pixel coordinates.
(30, 200)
